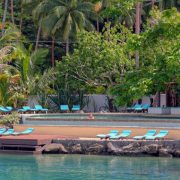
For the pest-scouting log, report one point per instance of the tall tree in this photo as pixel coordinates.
(4, 15)
(12, 11)
(68, 17)
(137, 28)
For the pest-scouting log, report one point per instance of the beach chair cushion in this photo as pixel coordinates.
(76, 108)
(8, 132)
(111, 133)
(160, 135)
(151, 132)
(124, 134)
(40, 108)
(27, 131)
(64, 107)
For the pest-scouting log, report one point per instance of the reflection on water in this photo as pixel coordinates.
(67, 167)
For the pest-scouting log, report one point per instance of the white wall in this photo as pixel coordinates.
(96, 103)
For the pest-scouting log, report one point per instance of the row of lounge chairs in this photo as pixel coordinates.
(9, 109)
(138, 108)
(150, 135)
(7, 132)
(37, 108)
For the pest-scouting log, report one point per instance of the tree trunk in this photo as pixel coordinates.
(161, 5)
(4, 16)
(38, 36)
(67, 46)
(21, 19)
(12, 11)
(137, 29)
(52, 51)
(97, 24)
(153, 3)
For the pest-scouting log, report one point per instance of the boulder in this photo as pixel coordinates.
(128, 147)
(76, 149)
(163, 152)
(137, 152)
(176, 153)
(152, 149)
(95, 149)
(55, 148)
(111, 149)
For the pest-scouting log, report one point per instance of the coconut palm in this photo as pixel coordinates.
(68, 17)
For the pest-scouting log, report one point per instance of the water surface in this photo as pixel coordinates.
(77, 167)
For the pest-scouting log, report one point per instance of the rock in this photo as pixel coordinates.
(152, 149)
(55, 148)
(111, 149)
(76, 149)
(163, 152)
(176, 153)
(62, 149)
(95, 149)
(137, 152)
(128, 147)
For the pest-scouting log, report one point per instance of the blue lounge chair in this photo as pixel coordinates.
(76, 108)
(138, 108)
(133, 107)
(160, 135)
(151, 132)
(64, 108)
(10, 108)
(124, 134)
(40, 108)
(27, 109)
(4, 110)
(2, 130)
(145, 107)
(8, 132)
(105, 136)
(27, 131)
(142, 108)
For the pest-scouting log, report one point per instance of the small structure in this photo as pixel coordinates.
(25, 144)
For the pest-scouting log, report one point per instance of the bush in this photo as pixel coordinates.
(10, 119)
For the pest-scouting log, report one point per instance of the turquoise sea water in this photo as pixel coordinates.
(77, 167)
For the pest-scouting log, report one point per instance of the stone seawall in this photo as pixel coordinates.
(164, 148)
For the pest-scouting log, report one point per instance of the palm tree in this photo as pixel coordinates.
(68, 17)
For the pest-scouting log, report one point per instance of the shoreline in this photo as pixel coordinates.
(160, 148)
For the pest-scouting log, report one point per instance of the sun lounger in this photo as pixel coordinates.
(105, 136)
(40, 108)
(130, 109)
(27, 109)
(27, 131)
(138, 108)
(160, 135)
(8, 132)
(151, 132)
(76, 108)
(4, 110)
(145, 107)
(2, 130)
(10, 108)
(64, 108)
(124, 134)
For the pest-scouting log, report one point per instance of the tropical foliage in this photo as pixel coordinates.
(68, 48)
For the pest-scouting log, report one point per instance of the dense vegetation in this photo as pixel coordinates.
(124, 48)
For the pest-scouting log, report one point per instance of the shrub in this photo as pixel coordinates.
(10, 119)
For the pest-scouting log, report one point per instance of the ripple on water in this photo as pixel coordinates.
(81, 167)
